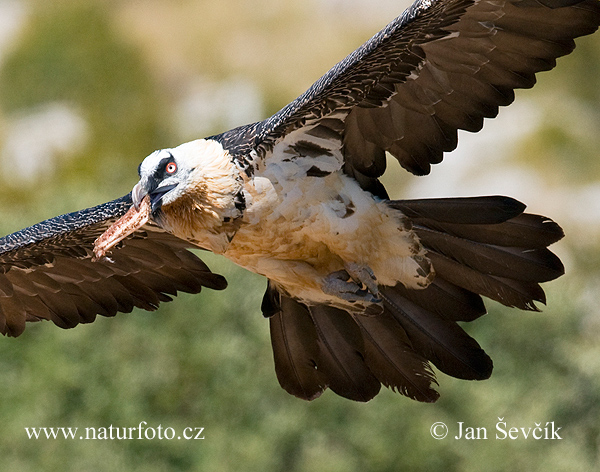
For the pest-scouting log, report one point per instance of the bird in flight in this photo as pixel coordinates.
(362, 290)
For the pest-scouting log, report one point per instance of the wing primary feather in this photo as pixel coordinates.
(439, 67)
(50, 265)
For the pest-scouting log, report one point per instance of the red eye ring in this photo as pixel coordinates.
(171, 168)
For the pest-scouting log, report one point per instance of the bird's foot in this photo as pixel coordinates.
(356, 283)
(363, 274)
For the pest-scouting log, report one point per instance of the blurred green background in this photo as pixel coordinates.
(88, 88)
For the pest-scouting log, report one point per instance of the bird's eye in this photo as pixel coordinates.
(171, 168)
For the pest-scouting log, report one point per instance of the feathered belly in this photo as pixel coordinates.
(298, 236)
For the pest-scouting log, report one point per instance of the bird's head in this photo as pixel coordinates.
(195, 182)
(164, 177)
(191, 191)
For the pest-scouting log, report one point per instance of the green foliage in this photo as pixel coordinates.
(567, 141)
(69, 52)
(205, 361)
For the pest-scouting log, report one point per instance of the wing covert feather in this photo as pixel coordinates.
(441, 66)
(47, 272)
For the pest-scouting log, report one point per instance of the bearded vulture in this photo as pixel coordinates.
(362, 290)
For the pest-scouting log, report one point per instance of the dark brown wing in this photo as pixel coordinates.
(47, 273)
(443, 65)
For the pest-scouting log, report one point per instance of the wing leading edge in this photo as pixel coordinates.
(47, 272)
(441, 66)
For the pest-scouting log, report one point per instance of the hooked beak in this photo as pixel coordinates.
(137, 195)
(140, 191)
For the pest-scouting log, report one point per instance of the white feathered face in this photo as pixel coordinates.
(164, 177)
(196, 176)
(191, 177)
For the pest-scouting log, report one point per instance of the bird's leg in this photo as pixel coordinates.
(356, 283)
(363, 274)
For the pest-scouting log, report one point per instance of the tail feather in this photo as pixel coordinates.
(509, 292)
(446, 300)
(498, 252)
(442, 342)
(531, 265)
(342, 354)
(525, 230)
(316, 347)
(462, 210)
(483, 246)
(391, 357)
(295, 349)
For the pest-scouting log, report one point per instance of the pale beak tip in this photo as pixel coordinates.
(137, 195)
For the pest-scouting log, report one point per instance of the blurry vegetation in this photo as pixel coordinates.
(69, 52)
(568, 141)
(205, 360)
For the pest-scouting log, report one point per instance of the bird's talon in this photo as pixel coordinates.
(345, 286)
(363, 274)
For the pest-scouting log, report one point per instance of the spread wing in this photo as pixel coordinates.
(46, 270)
(443, 65)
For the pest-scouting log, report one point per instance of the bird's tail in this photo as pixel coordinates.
(478, 246)
(488, 246)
